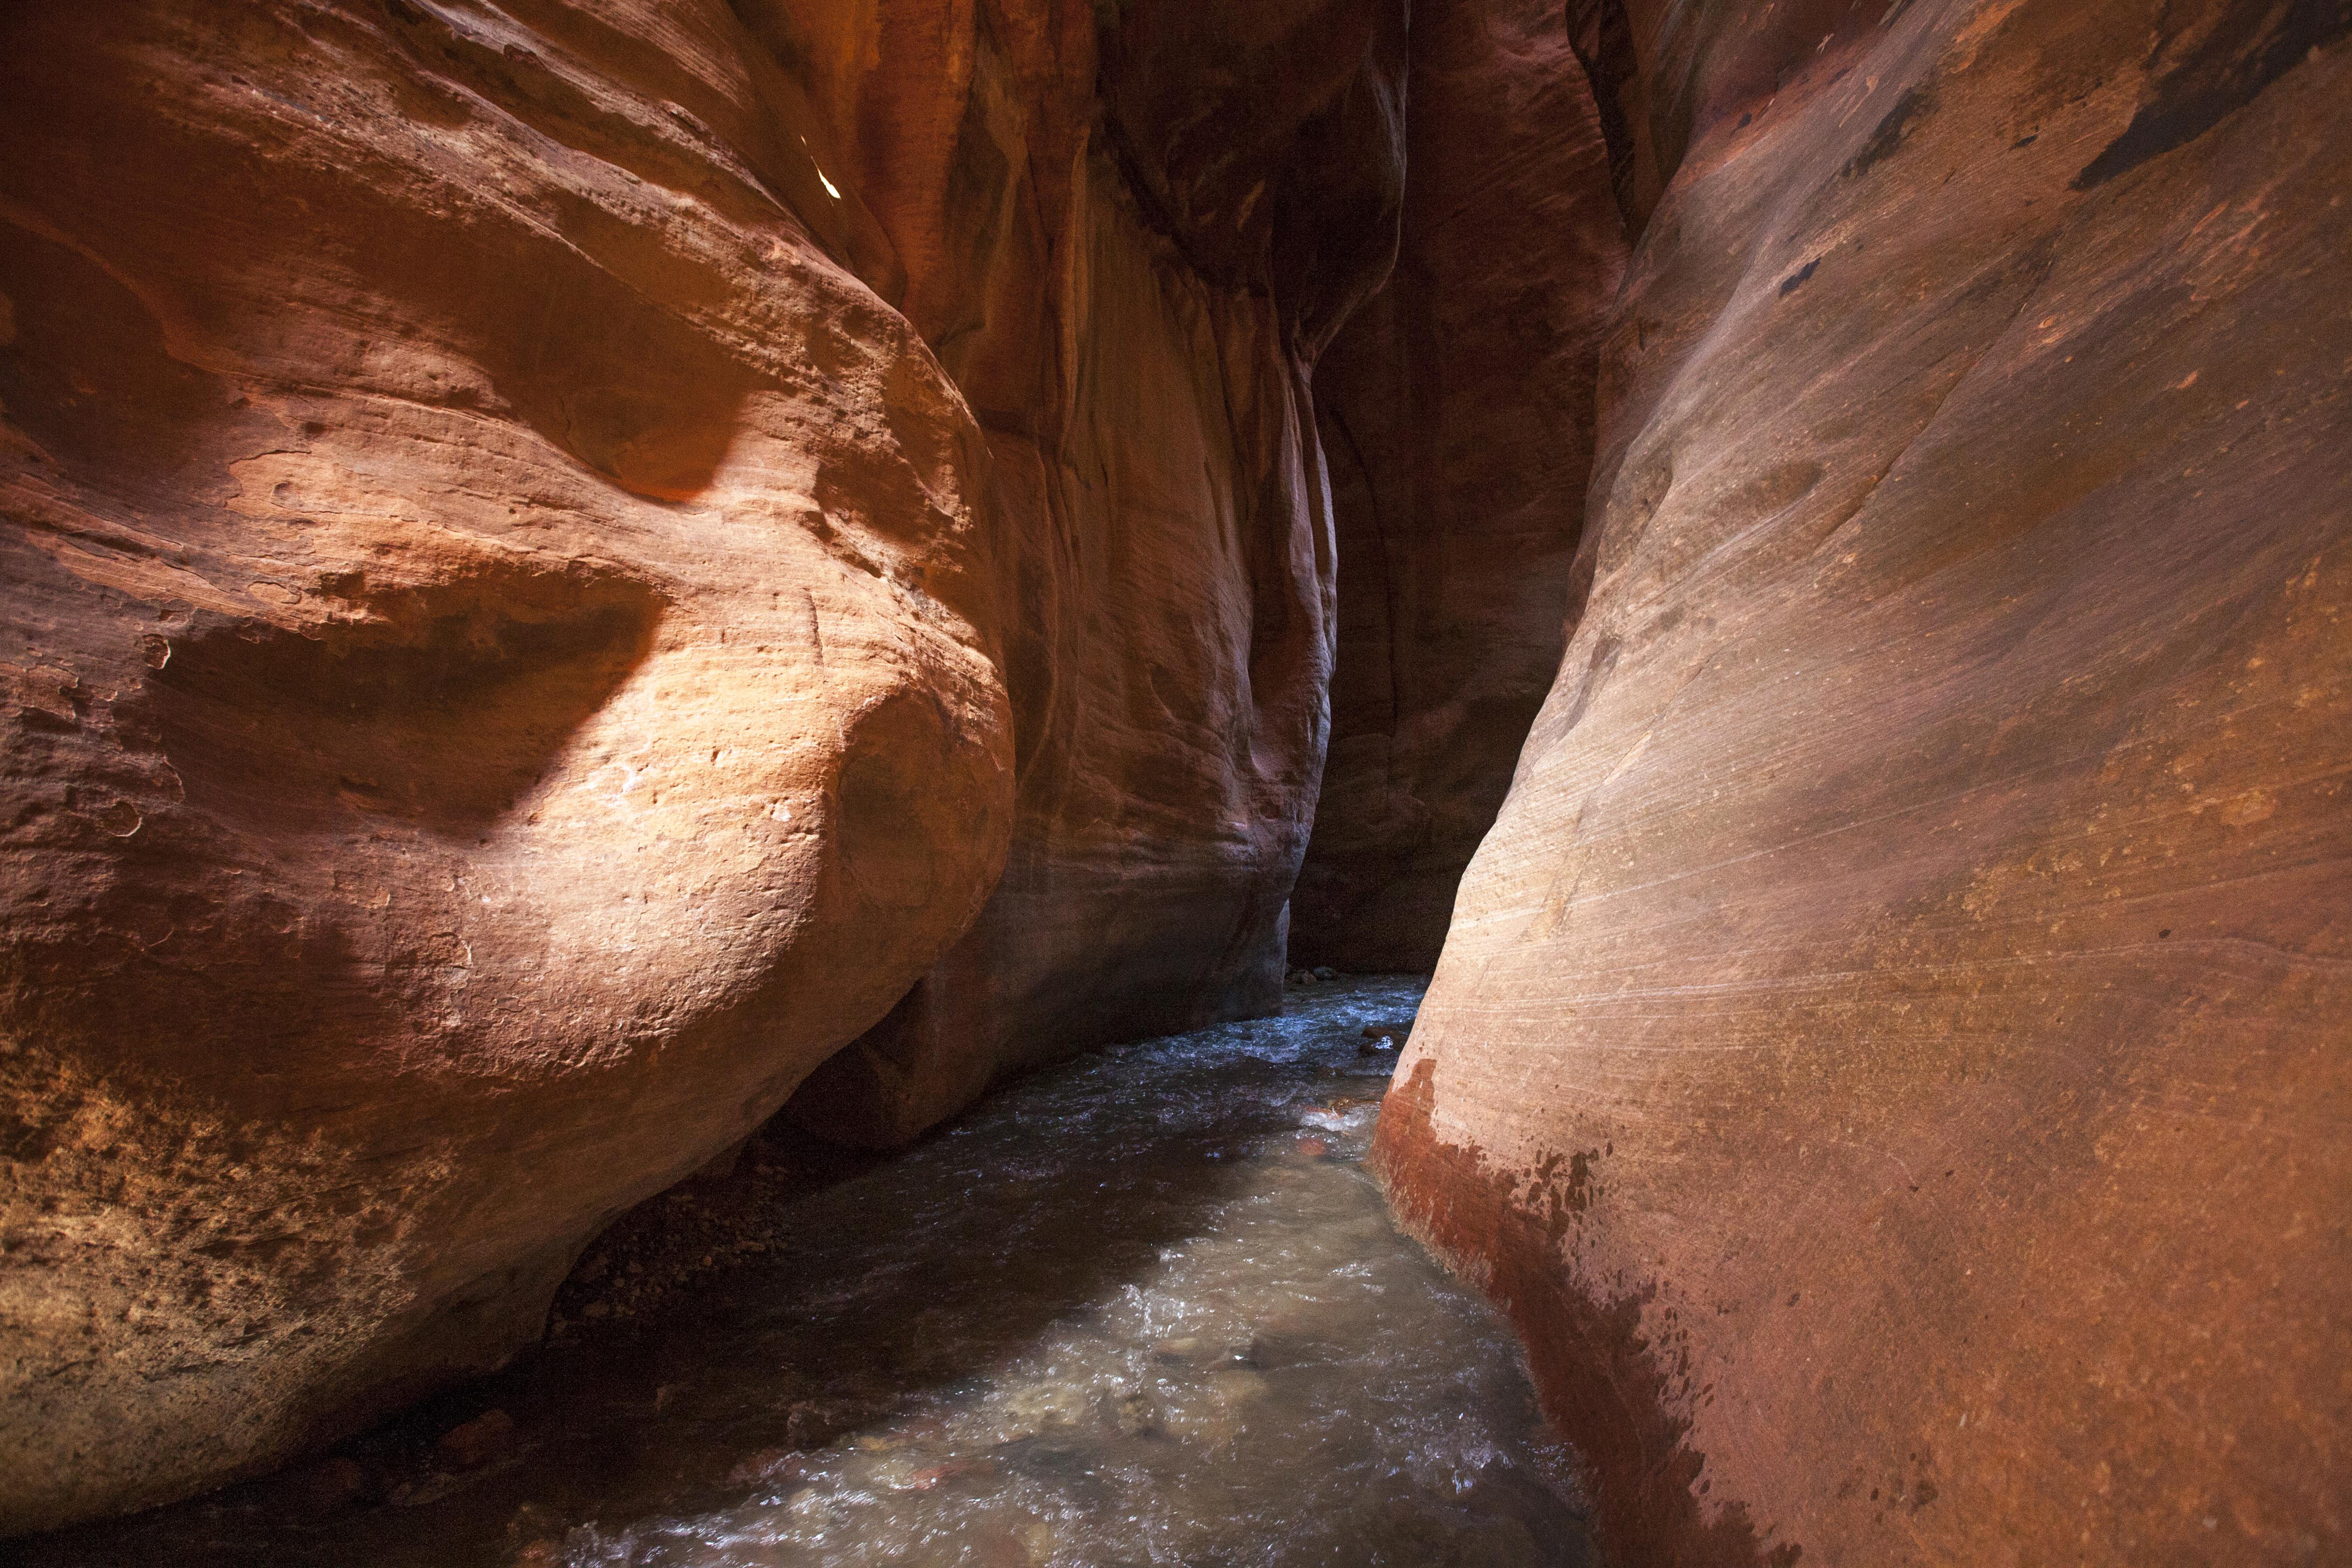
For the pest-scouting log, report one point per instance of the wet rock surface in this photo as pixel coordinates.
(1142, 1308)
(1893, 1039)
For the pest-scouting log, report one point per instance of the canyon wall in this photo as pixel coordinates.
(1456, 410)
(1134, 329)
(576, 571)
(1890, 1054)
(559, 560)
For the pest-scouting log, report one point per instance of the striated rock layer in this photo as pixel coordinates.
(1890, 1054)
(552, 555)
(1458, 412)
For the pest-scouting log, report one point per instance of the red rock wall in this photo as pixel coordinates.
(1138, 359)
(505, 676)
(1891, 1053)
(551, 556)
(1457, 413)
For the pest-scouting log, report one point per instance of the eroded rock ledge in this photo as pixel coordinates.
(1175, 230)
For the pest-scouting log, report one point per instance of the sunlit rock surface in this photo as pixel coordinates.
(1457, 417)
(563, 563)
(517, 648)
(503, 673)
(1890, 1054)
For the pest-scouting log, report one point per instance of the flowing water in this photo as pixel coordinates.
(1143, 1309)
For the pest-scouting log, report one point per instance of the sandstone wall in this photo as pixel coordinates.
(1456, 410)
(1135, 329)
(504, 672)
(1891, 1053)
(552, 555)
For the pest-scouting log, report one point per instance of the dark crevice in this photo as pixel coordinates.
(1602, 37)
(2204, 77)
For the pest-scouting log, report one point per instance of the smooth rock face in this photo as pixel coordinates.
(1456, 410)
(1134, 327)
(522, 647)
(503, 677)
(1890, 1054)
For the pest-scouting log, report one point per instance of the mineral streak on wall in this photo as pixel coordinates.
(1892, 1052)
(558, 561)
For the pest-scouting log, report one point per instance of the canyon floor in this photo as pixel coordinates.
(1144, 1308)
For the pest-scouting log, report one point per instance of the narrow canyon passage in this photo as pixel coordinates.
(1146, 1308)
(619, 619)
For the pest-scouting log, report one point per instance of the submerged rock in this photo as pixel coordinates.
(483, 1440)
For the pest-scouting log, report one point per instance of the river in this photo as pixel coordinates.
(1146, 1308)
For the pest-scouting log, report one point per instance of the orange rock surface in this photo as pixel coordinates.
(1891, 1053)
(552, 555)
(505, 675)
(571, 572)
(1457, 413)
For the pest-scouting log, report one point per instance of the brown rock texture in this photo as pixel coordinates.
(1198, 205)
(1456, 410)
(551, 555)
(1891, 1053)
(504, 676)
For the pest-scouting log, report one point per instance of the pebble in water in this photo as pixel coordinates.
(1143, 1309)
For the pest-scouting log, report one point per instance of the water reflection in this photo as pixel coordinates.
(1144, 1309)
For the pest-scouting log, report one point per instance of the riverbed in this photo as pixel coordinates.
(1146, 1308)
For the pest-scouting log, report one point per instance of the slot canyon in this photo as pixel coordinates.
(1087, 782)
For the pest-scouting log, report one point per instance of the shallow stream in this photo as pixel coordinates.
(1143, 1309)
